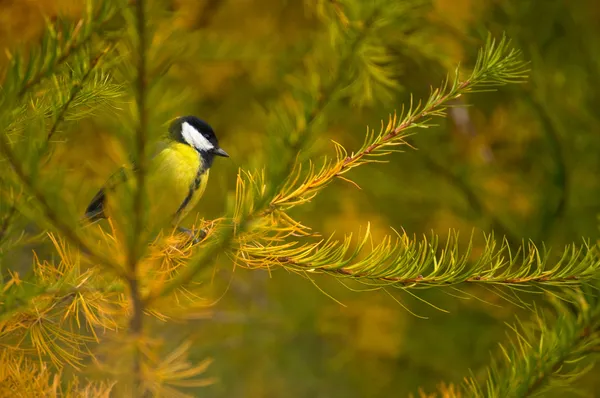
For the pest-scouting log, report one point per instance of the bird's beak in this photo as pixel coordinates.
(220, 152)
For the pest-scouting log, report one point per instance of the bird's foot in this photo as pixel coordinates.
(195, 236)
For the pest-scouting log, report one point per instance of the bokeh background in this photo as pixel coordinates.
(523, 162)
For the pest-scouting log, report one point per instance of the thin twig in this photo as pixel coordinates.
(60, 293)
(140, 137)
(72, 48)
(559, 362)
(209, 255)
(427, 281)
(324, 100)
(136, 322)
(77, 87)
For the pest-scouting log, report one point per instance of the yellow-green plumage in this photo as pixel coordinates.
(172, 177)
(174, 181)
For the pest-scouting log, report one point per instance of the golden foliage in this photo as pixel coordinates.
(174, 370)
(22, 377)
(161, 373)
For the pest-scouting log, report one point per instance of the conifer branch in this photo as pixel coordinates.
(13, 303)
(75, 90)
(22, 376)
(98, 89)
(56, 48)
(141, 133)
(221, 242)
(497, 64)
(136, 323)
(25, 73)
(405, 262)
(546, 354)
(45, 311)
(327, 92)
(74, 100)
(39, 330)
(51, 216)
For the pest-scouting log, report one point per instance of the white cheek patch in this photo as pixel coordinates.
(194, 138)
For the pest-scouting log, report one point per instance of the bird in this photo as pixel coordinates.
(176, 177)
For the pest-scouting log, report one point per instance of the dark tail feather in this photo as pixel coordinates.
(95, 210)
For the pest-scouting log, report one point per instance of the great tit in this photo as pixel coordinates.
(176, 176)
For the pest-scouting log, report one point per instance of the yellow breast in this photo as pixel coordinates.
(170, 176)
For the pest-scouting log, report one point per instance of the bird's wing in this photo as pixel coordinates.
(95, 210)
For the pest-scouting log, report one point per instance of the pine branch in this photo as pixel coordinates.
(43, 314)
(75, 94)
(141, 133)
(45, 311)
(75, 90)
(82, 94)
(404, 262)
(18, 299)
(497, 64)
(221, 241)
(175, 370)
(59, 43)
(295, 141)
(136, 323)
(21, 376)
(50, 215)
(40, 332)
(546, 354)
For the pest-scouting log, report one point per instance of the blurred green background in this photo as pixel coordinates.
(523, 162)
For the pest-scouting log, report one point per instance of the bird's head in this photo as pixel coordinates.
(196, 133)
